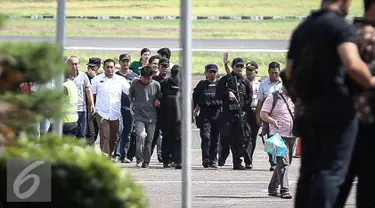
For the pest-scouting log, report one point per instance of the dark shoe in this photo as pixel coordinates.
(166, 165)
(213, 164)
(145, 165)
(206, 163)
(286, 195)
(276, 194)
(238, 167)
(178, 166)
(160, 159)
(273, 167)
(221, 162)
(249, 166)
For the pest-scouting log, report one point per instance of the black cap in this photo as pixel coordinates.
(252, 65)
(124, 56)
(94, 61)
(211, 67)
(237, 61)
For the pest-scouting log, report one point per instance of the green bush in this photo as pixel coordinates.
(81, 178)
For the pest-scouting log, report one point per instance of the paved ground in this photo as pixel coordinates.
(223, 187)
(158, 42)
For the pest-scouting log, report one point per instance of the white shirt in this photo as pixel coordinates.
(255, 85)
(108, 95)
(266, 87)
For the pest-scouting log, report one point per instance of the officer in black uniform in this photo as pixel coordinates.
(236, 93)
(171, 126)
(204, 99)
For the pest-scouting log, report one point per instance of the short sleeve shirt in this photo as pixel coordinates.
(82, 82)
(322, 33)
(280, 113)
(266, 87)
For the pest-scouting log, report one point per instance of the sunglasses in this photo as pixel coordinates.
(239, 66)
(164, 65)
(212, 71)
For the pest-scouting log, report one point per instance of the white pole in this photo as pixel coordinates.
(60, 40)
(185, 44)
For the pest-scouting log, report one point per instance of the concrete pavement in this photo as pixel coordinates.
(218, 188)
(108, 42)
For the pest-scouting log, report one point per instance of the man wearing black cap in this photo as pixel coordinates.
(123, 142)
(163, 75)
(251, 75)
(93, 67)
(171, 126)
(236, 93)
(204, 98)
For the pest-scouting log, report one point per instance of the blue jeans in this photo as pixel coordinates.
(82, 125)
(44, 127)
(123, 141)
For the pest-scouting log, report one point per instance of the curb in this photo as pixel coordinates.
(251, 18)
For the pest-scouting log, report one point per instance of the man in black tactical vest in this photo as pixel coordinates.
(210, 107)
(236, 93)
(170, 125)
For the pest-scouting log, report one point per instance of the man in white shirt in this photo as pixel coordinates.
(107, 89)
(272, 84)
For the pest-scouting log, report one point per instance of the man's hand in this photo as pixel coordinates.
(274, 122)
(92, 109)
(232, 97)
(156, 103)
(225, 59)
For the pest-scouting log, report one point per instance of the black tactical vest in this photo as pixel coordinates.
(207, 99)
(171, 94)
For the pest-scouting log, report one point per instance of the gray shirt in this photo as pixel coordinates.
(82, 81)
(143, 99)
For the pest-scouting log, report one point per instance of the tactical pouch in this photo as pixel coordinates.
(199, 121)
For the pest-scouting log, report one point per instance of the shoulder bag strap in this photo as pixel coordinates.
(287, 105)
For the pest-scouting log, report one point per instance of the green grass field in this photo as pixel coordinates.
(168, 7)
(199, 59)
(157, 28)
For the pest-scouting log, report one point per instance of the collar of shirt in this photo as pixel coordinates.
(254, 81)
(270, 82)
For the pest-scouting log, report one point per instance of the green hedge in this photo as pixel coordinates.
(80, 177)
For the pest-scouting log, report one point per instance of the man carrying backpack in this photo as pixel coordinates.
(278, 112)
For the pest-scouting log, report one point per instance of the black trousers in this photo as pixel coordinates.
(326, 154)
(171, 143)
(361, 166)
(251, 120)
(209, 133)
(92, 131)
(231, 137)
(247, 145)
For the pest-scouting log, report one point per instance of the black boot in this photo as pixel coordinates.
(238, 167)
(206, 163)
